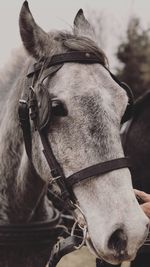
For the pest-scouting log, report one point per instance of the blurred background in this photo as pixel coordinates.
(122, 27)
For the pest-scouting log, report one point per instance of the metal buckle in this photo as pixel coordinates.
(53, 180)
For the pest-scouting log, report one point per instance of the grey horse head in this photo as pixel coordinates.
(89, 134)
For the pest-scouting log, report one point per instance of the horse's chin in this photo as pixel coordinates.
(102, 257)
(92, 248)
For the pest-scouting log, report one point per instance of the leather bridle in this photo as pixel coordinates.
(28, 108)
(29, 111)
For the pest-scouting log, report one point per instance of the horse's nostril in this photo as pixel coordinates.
(118, 241)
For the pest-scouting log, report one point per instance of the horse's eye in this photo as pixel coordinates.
(59, 108)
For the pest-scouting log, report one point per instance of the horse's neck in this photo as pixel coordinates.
(10, 148)
(8, 75)
(18, 180)
(30, 192)
(11, 140)
(10, 136)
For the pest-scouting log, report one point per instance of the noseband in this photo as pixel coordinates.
(28, 104)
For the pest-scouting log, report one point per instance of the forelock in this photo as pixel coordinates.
(66, 42)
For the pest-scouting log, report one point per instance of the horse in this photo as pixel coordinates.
(135, 140)
(65, 102)
(135, 137)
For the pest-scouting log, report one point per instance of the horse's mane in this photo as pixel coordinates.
(141, 103)
(9, 73)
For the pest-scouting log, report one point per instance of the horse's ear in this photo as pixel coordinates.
(82, 27)
(34, 38)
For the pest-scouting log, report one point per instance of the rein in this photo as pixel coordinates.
(31, 234)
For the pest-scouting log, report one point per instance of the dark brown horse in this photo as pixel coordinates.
(136, 143)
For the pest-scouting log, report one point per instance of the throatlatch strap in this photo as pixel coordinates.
(98, 169)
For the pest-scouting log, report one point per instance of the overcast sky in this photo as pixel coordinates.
(59, 14)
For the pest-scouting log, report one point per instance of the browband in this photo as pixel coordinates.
(76, 56)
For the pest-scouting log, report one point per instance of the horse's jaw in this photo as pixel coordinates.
(117, 226)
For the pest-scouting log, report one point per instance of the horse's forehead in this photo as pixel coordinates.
(76, 78)
(87, 84)
(88, 74)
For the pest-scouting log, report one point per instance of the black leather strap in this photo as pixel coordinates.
(76, 56)
(23, 112)
(35, 233)
(62, 248)
(125, 131)
(57, 172)
(98, 169)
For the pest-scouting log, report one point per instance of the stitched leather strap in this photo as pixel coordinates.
(76, 56)
(98, 169)
(25, 125)
(35, 233)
